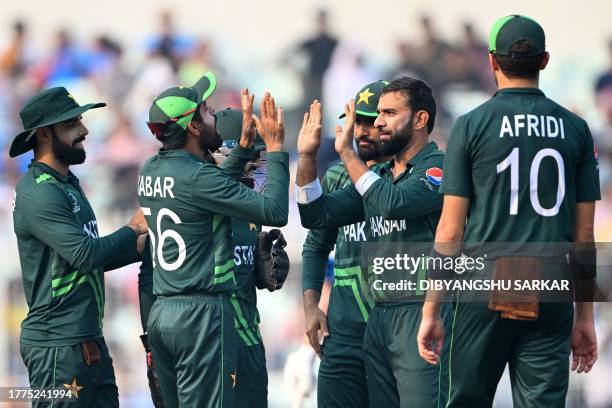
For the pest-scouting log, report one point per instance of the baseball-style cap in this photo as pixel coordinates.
(51, 106)
(228, 123)
(509, 30)
(174, 108)
(366, 100)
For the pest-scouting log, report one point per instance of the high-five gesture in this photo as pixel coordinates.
(271, 126)
(345, 134)
(309, 138)
(248, 123)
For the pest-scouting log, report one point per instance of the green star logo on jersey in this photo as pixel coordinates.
(365, 96)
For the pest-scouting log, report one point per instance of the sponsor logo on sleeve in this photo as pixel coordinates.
(434, 175)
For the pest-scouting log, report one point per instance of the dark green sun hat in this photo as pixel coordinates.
(51, 106)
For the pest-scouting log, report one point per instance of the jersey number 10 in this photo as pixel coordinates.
(163, 237)
(512, 161)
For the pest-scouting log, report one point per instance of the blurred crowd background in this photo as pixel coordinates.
(323, 60)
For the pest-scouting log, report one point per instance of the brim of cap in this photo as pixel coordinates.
(362, 113)
(20, 145)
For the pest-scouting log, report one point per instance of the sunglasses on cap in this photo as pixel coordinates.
(158, 128)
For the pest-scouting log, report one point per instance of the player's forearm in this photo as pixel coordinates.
(584, 311)
(145, 285)
(353, 164)
(449, 236)
(94, 253)
(395, 203)
(306, 169)
(311, 299)
(276, 194)
(235, 163)
(432, 304)
(128, 258)
(584, 259)
(314, 265)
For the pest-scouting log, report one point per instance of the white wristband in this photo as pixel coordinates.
(365, 181)
(309, 192)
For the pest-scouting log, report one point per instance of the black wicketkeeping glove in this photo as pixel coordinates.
(272, 264)
(156, 394)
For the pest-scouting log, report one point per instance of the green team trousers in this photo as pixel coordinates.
(342, 378)
(252, 379)
(194, 346)
(537, 352)
(397, 375)
(63, 367)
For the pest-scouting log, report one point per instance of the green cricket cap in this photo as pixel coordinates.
(509, 30)
(366, 100)
(228, 123)
(178, 100)
(51, 106)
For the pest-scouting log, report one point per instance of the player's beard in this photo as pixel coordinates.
(372, 152)
(209, 140)
(398, 140)
(67, 154)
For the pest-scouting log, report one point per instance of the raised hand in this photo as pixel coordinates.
(309, 138)
(271, 126)
(345, 134)
(248, 123)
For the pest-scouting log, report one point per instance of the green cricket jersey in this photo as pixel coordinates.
(524, 161)
(244, 300)
(349, 303)
(401, 210)
(189, 205)
(62, 258)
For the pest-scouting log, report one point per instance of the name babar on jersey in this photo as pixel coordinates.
(161, 187)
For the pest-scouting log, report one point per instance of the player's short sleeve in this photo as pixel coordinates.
(587, 175)
(457, 178)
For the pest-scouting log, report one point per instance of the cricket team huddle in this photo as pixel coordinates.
(517, 169)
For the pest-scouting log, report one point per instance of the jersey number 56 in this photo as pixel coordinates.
(157, 246)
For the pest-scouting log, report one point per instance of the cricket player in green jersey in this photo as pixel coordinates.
(189, 204)
(63, 259)
(402, 205)
(538, 160)
(342, 377)
(257, 262)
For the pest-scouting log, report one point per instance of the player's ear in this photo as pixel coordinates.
(545, 60)
(420, 120)
(192, 128)
(493, 62)
(43, 136)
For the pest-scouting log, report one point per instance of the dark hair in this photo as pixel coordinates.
(523, 61)
(418, 94)
(178, 143)
(175, 143)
